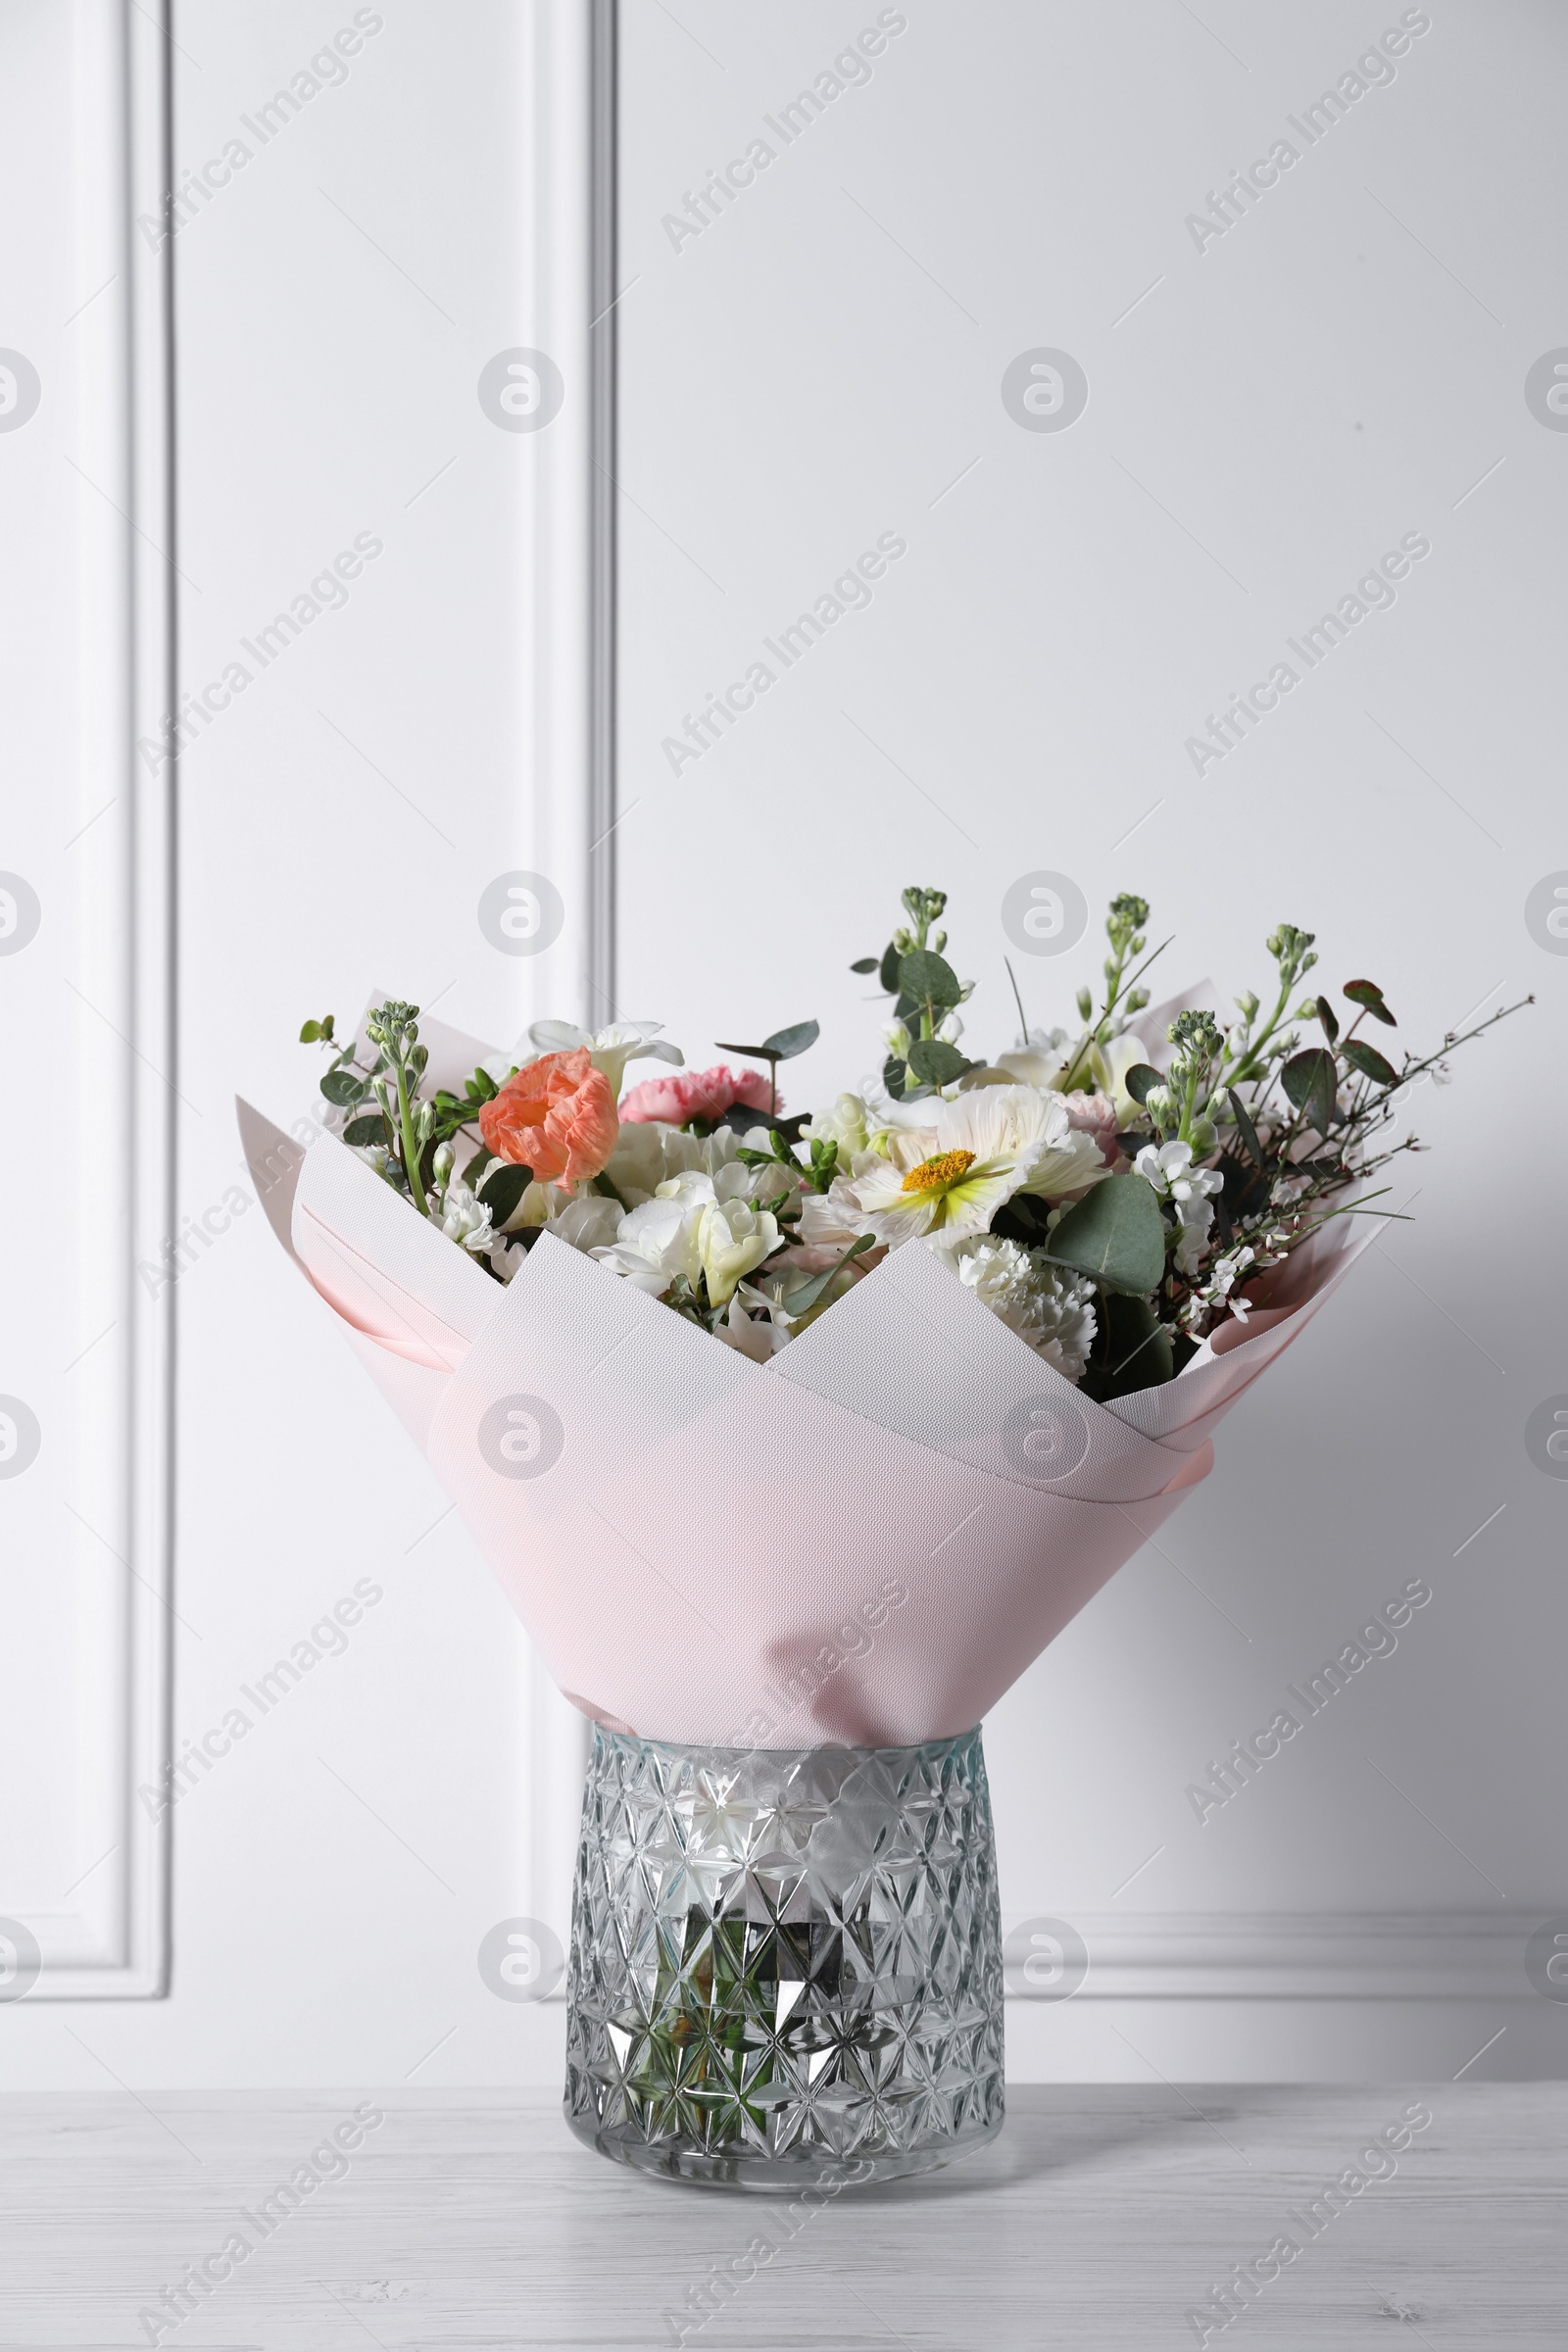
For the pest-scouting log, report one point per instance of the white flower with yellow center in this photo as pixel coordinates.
(952, 1178)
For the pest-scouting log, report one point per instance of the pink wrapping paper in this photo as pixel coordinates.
(864, 1541)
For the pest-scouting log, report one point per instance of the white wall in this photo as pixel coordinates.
(1267, 415)
(821, 365)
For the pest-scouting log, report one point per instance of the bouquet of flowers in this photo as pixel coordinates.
(1111, 1212)
(970, 1328)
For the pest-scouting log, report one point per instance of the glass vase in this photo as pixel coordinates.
(786, 1964)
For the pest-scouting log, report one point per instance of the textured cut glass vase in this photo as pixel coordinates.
(786, 1964)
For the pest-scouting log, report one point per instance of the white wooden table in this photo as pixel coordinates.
(1102, 2218)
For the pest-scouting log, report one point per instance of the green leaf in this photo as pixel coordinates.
(368, 1130)
(503, 1188)
(1368, 994)
(1132, 1349)
(313, 1031)
(344, 1087)
(895, 1077)
(1115, 1232)
(807, 1296)
(1244, 1126)
(1141, 1082)
(1329, 1020)
(1309, 1079)
(785, 1044)
(758, 1052)
(1370, 1062)
(888, 970)
(936, 1063)
(930, 979)
(864, 963)
(473, 1173)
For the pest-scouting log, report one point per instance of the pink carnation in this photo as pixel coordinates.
(687, 1095)
(1096, 1115)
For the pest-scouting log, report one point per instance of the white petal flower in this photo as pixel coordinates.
(1169, 1168)
(462, 1217)
(1050, 1309)
(658, 1240)
(845, 1125)
(588, 1222)
(646, 1152)
(754, 1335)
(1111, 1063)
(733, 1238)
(1043, 1061)
(953, 1177)
(610, 1050)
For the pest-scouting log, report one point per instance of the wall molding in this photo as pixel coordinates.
(119, 1484)
(1287, 1955)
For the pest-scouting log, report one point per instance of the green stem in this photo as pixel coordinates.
(1248, 1068)
(410, 1151)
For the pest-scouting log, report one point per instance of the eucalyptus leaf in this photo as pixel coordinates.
(1132, 1349)
(936, 1063)
(1309, 1080)
(473, 1173)
(1368, 994)
(930, 979)
(1115, 1232)
(368, 1130)
(864, 963)
(888, 970)
(797, 1301)
(785, 1044)
(1141, 1082)
(344, 1087)
(1370, 1062)
(759, 1052)
(503, 1188)
(895, 1077)
(1329, 1020)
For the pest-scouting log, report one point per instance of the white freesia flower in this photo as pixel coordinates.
(1169, 1168)
(1049, 1307)
(589, 1222)
(657, 1240)
(845, 1125)
(695, 1225)
(610, 1050)
(732, 1238)
(648, 1151)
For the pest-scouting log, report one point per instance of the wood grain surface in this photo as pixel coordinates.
(1100, 2217)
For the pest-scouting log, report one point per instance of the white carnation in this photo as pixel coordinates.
(1050, 1309)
